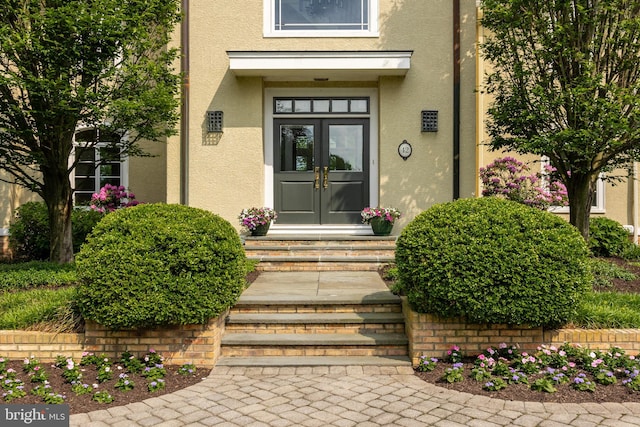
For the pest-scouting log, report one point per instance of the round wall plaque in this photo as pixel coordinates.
(404, 149)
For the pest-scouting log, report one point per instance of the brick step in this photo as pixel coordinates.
(323, 253)
(352, 242)
(320, 252)
(283, 361)
(304, 307)
(243, 345)
(316, 264)
(315, 323)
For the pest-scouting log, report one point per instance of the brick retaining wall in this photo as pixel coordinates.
(44, 345)
(200, 344)
(432, 336)
(197, 344)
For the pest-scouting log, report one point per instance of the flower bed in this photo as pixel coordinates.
(93, 381)
(567, 373)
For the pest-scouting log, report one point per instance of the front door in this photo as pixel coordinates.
(321, 170)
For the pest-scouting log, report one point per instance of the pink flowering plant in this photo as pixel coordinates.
(253, 217)
(112, 197)
(388, 214)
(545, 370)
(511, 179)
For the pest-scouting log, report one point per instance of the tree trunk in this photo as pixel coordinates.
(581, 189)
(59, 202)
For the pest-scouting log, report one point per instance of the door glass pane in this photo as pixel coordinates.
(296, 147)
(345, 148)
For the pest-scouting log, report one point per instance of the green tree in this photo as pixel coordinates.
(68, 63)
(565, 78)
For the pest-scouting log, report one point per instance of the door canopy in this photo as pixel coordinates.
(320, 65)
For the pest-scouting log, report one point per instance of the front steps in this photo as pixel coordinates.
(340, 323)
(320, 253)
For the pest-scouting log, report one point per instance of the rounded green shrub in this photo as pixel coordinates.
(491, 260)
(158, 264)
(29, 232)
(607, 237)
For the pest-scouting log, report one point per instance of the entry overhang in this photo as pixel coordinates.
(319, 65)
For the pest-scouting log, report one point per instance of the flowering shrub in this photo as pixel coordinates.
(112, 197)
(426, 364)
(454, 374)
(388, 214)
(187, 369)
(508, 178)
(454, 355)
(124, 383)
(102, 397)
(155, 385)
(253, 217)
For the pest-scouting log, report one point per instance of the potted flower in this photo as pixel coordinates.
(380, 219)
(257, 220)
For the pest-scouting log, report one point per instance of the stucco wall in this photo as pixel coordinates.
(226, 171)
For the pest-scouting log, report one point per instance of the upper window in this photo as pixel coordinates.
(98, 164)
(320, 18)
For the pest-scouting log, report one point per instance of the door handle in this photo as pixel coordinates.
(316, 182)
(325, 181)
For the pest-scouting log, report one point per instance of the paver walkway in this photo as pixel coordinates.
(344, 396)
(341, 396)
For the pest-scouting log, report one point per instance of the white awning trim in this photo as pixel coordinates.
(319, 65)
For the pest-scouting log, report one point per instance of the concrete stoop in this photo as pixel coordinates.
(341, 326)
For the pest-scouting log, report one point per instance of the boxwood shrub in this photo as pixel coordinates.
(607, 237)
(493, 261)
(158, 264)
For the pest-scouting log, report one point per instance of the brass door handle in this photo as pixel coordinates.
(316, 182)
(325, 181)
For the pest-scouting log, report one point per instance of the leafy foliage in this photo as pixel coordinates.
(29, 232)
(564, 79)
(36, 274)
(158, 264)
(607, 237)
(493, 261)
(102, 64)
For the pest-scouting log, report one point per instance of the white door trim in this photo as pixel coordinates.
(269, 95)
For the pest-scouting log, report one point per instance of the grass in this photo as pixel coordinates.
(35, 274)
(41, 309)
(609, 310)
(39, 295)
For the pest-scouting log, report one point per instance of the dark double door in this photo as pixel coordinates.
(321, 170)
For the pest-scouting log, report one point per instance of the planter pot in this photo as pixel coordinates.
(381, 227)
(261, 230)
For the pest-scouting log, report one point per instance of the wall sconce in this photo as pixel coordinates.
(429, 121)
(214, 121)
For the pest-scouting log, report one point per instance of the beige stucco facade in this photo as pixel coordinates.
(228, 172)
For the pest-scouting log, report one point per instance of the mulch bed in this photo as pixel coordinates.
(83, 403)
(521, 392)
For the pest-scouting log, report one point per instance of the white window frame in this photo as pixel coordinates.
(269, 24)
(124, 165)
(600, 196)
